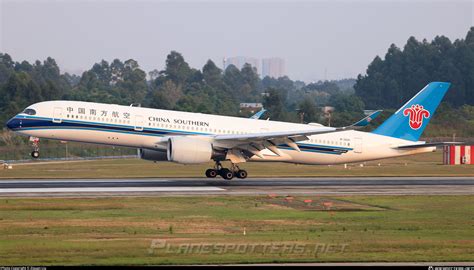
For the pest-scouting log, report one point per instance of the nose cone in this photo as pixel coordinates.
(12, 123)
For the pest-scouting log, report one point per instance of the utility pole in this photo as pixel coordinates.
(301, 114)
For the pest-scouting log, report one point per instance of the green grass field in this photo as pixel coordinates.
(418, 165)
(108, 231)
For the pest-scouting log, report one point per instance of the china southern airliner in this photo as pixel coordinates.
(191, 138)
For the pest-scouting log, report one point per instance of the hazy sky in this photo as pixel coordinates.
(341, 37)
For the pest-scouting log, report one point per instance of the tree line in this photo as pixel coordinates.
(403, 72)
(387, 84)
(178, 87)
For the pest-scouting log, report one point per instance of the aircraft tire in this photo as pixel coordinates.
(242, 174)
(211, 173)
(226, 174)
(35, 154)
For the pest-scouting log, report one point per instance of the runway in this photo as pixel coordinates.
(251, 186)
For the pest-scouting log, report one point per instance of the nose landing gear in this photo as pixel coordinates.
(226, 173)
(35, 143)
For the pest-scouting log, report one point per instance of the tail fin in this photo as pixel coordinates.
(412, 118)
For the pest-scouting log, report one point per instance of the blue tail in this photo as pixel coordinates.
(412, 118)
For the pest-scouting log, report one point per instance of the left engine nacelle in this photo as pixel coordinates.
(153, 155)
(188, 150)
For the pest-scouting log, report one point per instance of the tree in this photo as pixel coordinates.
(391, 81)
(348, 109)
(308, 109)
(177, 70)
(250, 80)
(274, 102)
(153, 75)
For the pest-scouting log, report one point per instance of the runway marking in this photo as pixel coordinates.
(83, 181)
(108, 189)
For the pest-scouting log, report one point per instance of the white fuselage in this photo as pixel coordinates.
(144, 128)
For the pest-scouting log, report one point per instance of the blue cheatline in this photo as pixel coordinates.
(411, 119)
(41, 123)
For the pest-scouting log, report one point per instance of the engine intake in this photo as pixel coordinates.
(187, 150)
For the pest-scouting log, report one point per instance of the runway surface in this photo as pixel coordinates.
(255, 186)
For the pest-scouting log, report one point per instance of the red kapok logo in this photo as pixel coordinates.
(416, 113)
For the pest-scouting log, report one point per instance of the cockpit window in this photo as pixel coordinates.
(29, 111)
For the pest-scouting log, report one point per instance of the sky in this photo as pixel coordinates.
(317, 39)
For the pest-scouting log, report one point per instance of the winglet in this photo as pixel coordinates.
(258, 114)
(366, 120)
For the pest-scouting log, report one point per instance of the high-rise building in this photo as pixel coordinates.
(240, 61)
(273, 67)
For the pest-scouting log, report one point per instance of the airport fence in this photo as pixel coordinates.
(65, 151)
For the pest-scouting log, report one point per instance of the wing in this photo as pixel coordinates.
(239, 148)
(258, 141)
(242, 147)
(269, 140)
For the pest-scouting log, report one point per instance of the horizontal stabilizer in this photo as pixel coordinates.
(413, 146)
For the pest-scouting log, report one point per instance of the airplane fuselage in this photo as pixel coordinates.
(144, 127)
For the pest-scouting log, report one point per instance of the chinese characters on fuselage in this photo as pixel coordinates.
(99, 113)
(127, 115)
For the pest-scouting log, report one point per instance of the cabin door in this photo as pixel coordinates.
(138, 123)
(57, 115)
(358, 145)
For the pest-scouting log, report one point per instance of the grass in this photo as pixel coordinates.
(418, 165)
(110, 231)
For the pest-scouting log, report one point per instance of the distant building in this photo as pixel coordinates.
(250, 107)
(240, 61)
(273, 67)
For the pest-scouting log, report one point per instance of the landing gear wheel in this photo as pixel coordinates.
(226, 174)
(211, 173)
(35, 143)
(35, 154)
(242, 174)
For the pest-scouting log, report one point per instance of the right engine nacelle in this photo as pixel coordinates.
(186, 150)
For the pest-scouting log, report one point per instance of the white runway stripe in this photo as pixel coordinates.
(108, 189)
(81, 181)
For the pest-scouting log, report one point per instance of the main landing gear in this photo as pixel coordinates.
(225, 173)
(35, 142)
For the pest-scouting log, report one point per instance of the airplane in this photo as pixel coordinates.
(192, 138)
